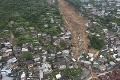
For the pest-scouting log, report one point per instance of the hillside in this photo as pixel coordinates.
(76, 24)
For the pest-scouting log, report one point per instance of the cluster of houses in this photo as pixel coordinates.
(43, 63)
(112, 75)
(108, 58)
(49, 53)
(105, 60)
(55, 53)
(103, 8)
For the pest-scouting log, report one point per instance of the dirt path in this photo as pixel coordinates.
(76, 24)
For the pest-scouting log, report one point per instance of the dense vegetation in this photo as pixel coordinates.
(17, 10)
(96, 42)
(76, 3)
(22, 15)
(26, 56)
(73, 74)
(15, 14)
(31, 11)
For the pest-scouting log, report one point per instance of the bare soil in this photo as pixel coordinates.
(76, 24)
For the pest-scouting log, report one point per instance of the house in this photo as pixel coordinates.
(52, 56)
(87, 63)
(90, 55)
(91, 59)
(0, 57)
(31, 28)
(52, 20)
(57, 42)
(43, 34)
(5, 31)
(24, 49)
(7, 52)
(65, 51)
(118, 11)
(58, 76)
(102, 68)
(20, 29)
(102, 60)
(59, 54)
(46, 77)
(95, 64)
(117, 59)
(68, 33)
(84, 74)
(62, 63)
(118, 50)
(37, 59)
(7, 44)
(55, 65)
(1, 65)
(6, 70)
(13, 60)
(74, 59)
(64, 78)
(34, 33)
(43, 58)
(105, 30)
(62, 67)
(65, 37)
(23, 76)
(39, 34)
(112, 63)
(29, 63)
(0, 76)
(46, 67)
(46, 25)
(114, 56)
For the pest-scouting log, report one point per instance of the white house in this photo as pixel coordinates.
(46, 67)
(24, 49)
(0, 57)
(7, 44)
(8, 50)
(23, 76)
(58, 76)
(65, 51)
(118, 11)
(118, 49)
(117, 59)
(6, 70)
(13, 60)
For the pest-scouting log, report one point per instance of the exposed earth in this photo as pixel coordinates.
(76, 24)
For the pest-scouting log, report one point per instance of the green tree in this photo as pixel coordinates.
(26, 56)
(96, 42)
(63, 44)
(20, 41)
(74, 74)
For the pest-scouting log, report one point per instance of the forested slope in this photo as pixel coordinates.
(21, 10)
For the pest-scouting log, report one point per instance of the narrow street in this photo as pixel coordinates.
(76, 24)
